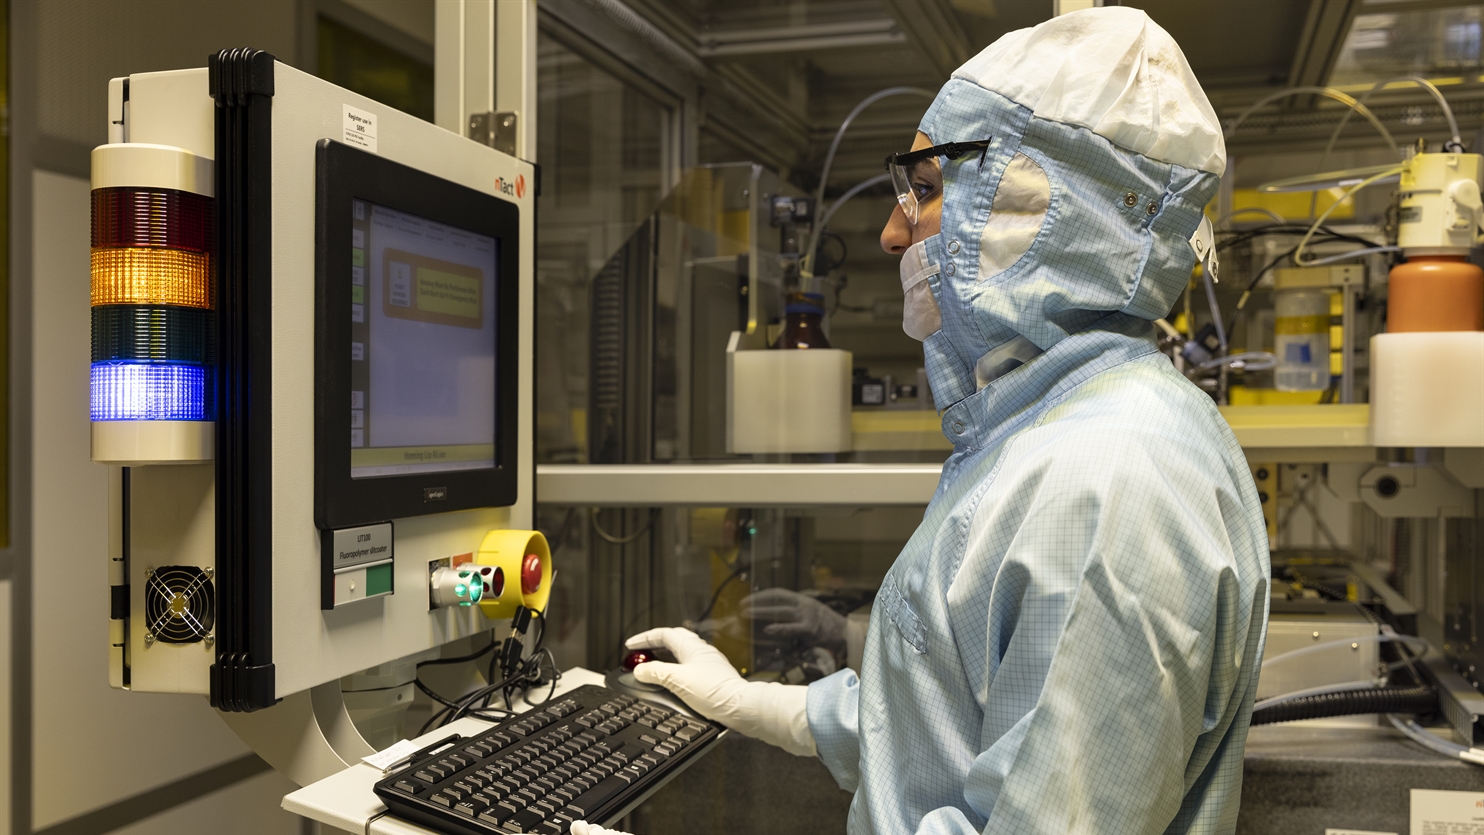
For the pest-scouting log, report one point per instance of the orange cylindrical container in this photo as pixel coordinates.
(1435, 293)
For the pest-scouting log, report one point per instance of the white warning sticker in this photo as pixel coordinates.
(360, 129)
(1447, 813)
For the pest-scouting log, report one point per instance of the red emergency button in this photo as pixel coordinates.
(530, 574)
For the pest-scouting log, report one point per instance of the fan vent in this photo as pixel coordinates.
(179, 605)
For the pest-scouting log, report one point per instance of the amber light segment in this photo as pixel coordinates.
(151, 276)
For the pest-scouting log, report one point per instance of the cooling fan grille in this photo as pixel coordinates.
(179, 605)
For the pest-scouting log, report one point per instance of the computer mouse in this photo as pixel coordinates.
(624, 682)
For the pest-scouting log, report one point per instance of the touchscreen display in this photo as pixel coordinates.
(422, 345)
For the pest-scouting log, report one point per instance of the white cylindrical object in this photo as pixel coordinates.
(137, 443)
(789, 401)
(1426, 391)
(1301, 340)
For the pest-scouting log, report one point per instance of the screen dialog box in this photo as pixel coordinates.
(423, 345)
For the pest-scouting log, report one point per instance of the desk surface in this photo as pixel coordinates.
(346, 801)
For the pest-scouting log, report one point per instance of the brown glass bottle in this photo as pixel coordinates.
(803, 325)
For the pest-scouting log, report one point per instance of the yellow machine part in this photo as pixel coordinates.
(506, 550)
(734, 638)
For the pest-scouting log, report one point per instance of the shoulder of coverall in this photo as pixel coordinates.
(1159, 446)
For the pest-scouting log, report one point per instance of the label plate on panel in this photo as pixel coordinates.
(360, 128)
(361, 546)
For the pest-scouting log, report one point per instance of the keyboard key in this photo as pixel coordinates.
(469, 808)
(526, 820)
(549, 828)
(409, 787)
(494, 816)
(588, 802)
(443, 799)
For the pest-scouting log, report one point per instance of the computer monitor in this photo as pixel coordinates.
(415, 342)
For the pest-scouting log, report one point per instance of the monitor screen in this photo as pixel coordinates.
(423, 345)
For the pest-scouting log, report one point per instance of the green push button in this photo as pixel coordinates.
(379, 580)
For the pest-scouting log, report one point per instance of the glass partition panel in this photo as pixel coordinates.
(785, 593)
(603, 149)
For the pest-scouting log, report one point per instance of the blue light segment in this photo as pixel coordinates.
(147, 391)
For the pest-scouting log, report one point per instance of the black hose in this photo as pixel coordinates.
(1413, 700)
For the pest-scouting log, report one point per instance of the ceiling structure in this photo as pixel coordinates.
(807, 64)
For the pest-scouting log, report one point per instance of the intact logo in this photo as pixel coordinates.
(516, 189)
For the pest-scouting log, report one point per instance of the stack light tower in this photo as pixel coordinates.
(152, 295)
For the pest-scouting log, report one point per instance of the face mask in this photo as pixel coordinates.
(920, 315)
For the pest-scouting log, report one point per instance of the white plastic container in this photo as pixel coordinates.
(1301, 339)
(1426, 389)
(785, 401)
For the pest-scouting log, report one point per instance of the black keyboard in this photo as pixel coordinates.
(584, 757)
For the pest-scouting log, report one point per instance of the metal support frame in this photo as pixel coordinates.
(307, 736)
(1325, 28)
(935, 28)
(806, 38)
(484, 72)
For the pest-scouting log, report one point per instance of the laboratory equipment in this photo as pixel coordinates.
(1436, 310)
(584, 758)
(317, 310)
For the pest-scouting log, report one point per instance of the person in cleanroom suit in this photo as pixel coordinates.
(1070, 641)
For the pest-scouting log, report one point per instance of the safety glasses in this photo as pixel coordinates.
(917, 175)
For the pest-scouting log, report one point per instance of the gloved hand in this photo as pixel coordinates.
(705, 680)
(789, 614)
(585, 828)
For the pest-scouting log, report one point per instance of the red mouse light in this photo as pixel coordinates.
(635, 658)
(530, 574)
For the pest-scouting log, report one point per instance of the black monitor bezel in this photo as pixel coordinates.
(342, 175)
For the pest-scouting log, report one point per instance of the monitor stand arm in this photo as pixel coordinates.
(306, 737)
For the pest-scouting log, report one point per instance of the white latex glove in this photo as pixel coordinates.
(705, 680)
(585, 828)
(789, 614)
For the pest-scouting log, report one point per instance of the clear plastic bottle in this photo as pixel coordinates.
(1301, 339)
(803, 326)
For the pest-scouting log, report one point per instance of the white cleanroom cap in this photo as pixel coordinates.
(1113, 71)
